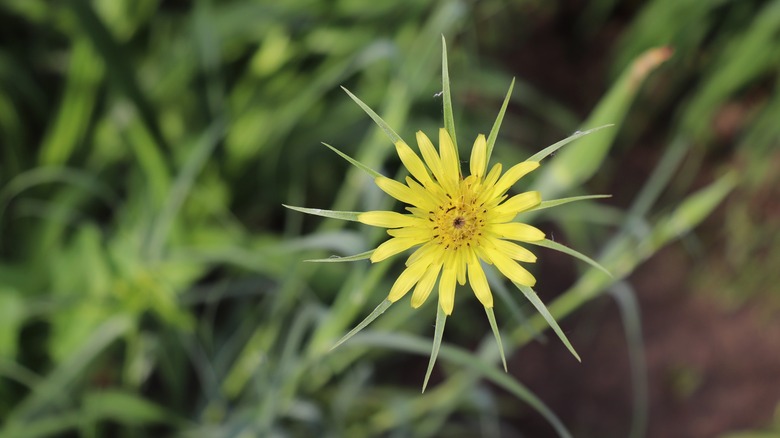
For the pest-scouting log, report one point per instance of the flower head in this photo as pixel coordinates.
(454, 222)
(456, 225)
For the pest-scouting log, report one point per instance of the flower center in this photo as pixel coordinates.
(459, 221)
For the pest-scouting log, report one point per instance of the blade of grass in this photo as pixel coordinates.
(463, 358)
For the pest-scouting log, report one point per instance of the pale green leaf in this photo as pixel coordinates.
(354, 162)
(464, 359)
(380, 309)
(336, 259)
(547, 243)
(556, 202)
(539, 156)
(492, 318)
(449, 119)
(491, 140)
(394, 137)
(438, 332)
(343, 215)
(542, 309)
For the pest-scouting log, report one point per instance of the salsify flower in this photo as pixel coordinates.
(454, 222)
(457, 226)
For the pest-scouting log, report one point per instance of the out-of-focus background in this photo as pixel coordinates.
(151, 282)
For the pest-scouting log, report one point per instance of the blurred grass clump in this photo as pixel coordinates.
(150, 280)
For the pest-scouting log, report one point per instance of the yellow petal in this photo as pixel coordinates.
(490, 181)
(516, 231)
(461, 259)
(513, 250)
(418, 233)
(429, 155)
(413, 163)
(406, 280)
(478, 161)
(449, 160)
(432, 250)
(515, 205)
(447, 289)
(513, 175)
(401, 191)
(511, 269)
(388, 219)
(393, 247)
(425, 285)
(431, 195)
(479, 283)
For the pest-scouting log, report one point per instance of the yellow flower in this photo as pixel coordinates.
(455, 222)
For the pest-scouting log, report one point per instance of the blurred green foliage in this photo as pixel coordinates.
(150, 280)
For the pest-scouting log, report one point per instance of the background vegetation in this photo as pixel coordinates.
(151, 283)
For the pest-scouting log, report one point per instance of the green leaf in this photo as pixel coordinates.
(343, 215)
(354, 162)
(491, 140)
(534, 299)
(556, 202)
(441, 318)
(625, 297)
(394, 137)
(492, 318)
(541, 155)
(336, 259)
(125, 408)
(580, 162)
(464, 359)
(380, 309)
(449, 119)
(547, 243)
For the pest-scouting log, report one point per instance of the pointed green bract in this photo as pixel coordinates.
(337, 259)
(492, 319)
(547, 243)
(466, 361)
(542, 309)
(449, 118)
(343, 215)
(394, 137)
(438, 332)
(556, 202)
(380, 309)
(491, 140)
(354, 162)
(539, 156)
